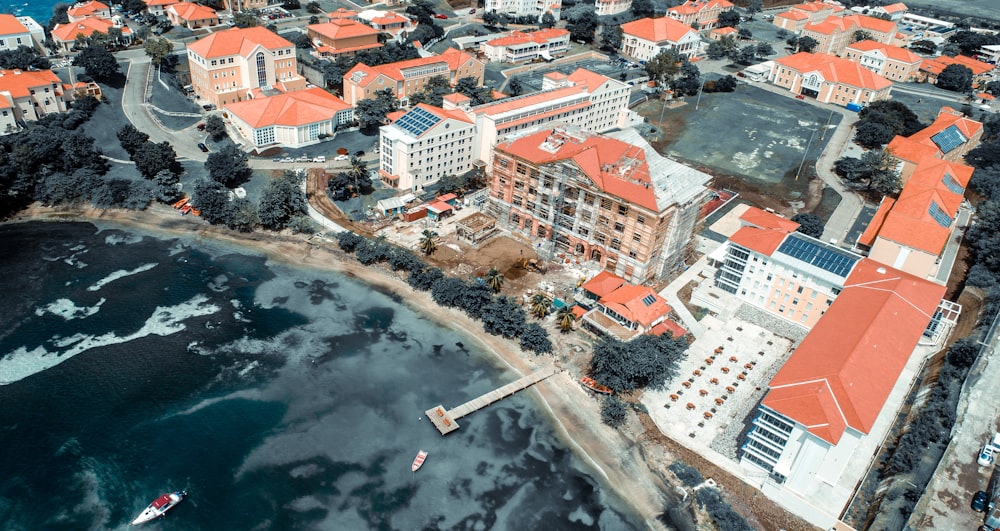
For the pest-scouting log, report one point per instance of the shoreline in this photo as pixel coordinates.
(615, 459)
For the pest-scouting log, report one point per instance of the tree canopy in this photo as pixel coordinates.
(664, 67)
(371, 112)
(809, 224)
(158, 50)
(281, 200)
(228, 166)
(646, 361)
(582, 28)
(957, 78)
(23, 58)
(98, 62)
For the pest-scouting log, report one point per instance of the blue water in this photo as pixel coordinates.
(41, 11)
(279, 398)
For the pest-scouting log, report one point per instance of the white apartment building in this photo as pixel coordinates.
(522, 8)
(20, 31)
(521, 47)
(612, 7)
(645, 38)
(424, 145)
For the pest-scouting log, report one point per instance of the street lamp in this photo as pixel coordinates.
(804, 154)
(701, 88)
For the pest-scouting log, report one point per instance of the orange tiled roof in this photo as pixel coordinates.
(895, 8)
(767, 220)
(453, 57)
(296, 108)
(331, 50)
(793, 15)
(835, 69)
(937, 64)
(814, 7)
(892, 52)
(342, 13)
(911, 150)
(867, 238)
(668, 326)
(151, 3)
(663, 29)
(87, 9)
(342, 29)
(843, 371)
(762, 231)
(518, 37)
(457, 98)
(872, 23)
(603, 284)
(390, 18)
(696, 6)
(9, 25)
(639, 304)
(20, 82)
(238, 41)
(85, 27)
(191, 11)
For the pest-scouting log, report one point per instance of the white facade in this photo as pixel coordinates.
(521, 47)
(423, 146)
(21, 31)
(612, 7)
(642, 49)
(533, 8)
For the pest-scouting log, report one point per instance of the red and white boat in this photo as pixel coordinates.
(418, 461)
(592, 384)
(159, 507)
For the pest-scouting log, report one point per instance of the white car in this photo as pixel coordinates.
(321, 158)
(986, 456)
(342, 157)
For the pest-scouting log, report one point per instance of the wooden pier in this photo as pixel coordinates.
(444, 420)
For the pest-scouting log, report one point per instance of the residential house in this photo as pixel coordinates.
(834, 33)
(949, 137)
(65, 35)
(424, 145)
(891, 62)
(90, 9)
(342, 36)
(703, 14)
(227, 66)
(800, 15)
(20, 31)
(524, 8)
(895, 12)
(158, 7)
(645, 38)
(522, 47)
(829, 79)
(612, 7)
(931, 68)
(291, 119)
(409, 77)
(608, 199)
(391, 23)
(623, 312)
(192, 16)
(26, 96)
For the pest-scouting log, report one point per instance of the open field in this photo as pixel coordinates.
(969, 8)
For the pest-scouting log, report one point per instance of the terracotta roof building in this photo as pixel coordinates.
(931, 68)
(424, 145)
(612, 7)
(388, 22)
(192, 16)
(521, 47)
(342, 14)
(891, 62)
(798, 16)
(625, 311)
(227, 66)
(704, 13)
(342, 36)
(896, 11)
(645, 38)
(27, 96)
(410, 77)
(91, 9)
(830, 79)
(65, 35)
(949, 137)
(20, 31)
(291, 119)
(158, 7)
(834, 33)
(612, 200)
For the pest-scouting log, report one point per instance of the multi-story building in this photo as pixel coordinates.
(621, 310)
(65, 35)
(829, 79)
(949, 137)
(20, 31)
(525, 8)
(582, 99)
(227, 66)
(91, 9)
(895, 12)
(612, 7)
(520, 47)
(342, 36)
(891, 62)
(931, 68)
(158, 7)
(611, 200)
(191, 15)
(645, 38)
(704, 13)
(800, 15)
(291, 119)
(410, 77)
(424, 145)
(835, 33)
(27, 96)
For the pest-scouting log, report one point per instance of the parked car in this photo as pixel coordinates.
(986, 456)
(800, 96)
(288, 159)
(441, 16)
(201, 126)
(472, 11)
(208, 107)
(341, 157)
(979, 500)
(203, 147)
(359, 153)
(321, 158)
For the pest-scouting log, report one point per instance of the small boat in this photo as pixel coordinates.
(186, 209)
(182, 202)
(159, 507)
(592, 384)
(418, 461)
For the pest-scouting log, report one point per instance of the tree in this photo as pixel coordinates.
(721, 48)
(613, 410)
(136, 6)
(314, 7)
(514, 87)
(565, 317)
(646, 361)
(746, 55)
(872, 135)
(689, 82)
(228, 166)
(291, 4)
(99, 63)
(242, 215)
(664, 67)
(165, 186)
(434, 91)
(729, 19)
(582, 29)
(924, 46)
(894, 115)
(281, 200)
(212, 199)
(490, 18)
(303, 42)
(535, 339)
(371, 112)
(861, 35)
(247, 19)
(314, 20)
(876, 171)
(969, 42)
(642, 8)
(131, 139)
(503, 317)
(158, 50)
(993, 88)
(764, 49)
(549, 21)
(754, 7)
(23, 58)
(151, 158)
(540, 305)
(427, 243)
(963, 353)
(957, 78)
(809, 224)
(469, 86)
(723, 84)
(744, 34)
(215, 126)
(807, 44)
(611, 37)
(494, 279)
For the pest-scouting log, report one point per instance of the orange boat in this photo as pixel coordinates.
(592, 384)
(182, 202)
(195, 211)
(185, 209)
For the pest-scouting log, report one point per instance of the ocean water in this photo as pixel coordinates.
(279, 398)
(41, 11)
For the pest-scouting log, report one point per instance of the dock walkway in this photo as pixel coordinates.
(444, 420)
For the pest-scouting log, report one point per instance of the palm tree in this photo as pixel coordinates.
(427, 243)
(540, 305)
(565, 317)
(494, 279)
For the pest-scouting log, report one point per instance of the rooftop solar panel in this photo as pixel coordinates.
(951, 184)
(826, 257)
(948, 139)
(648, 300)
(417, 121)
(939, 215)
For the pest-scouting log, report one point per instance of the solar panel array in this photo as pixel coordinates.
(939, 215)
(825, 257)
(648, 300)
(417, 121)
(948, 139)
(951, 184)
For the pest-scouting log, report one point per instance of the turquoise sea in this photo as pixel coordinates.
(41, 11)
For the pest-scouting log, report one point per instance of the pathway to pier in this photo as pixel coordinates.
(444, 420)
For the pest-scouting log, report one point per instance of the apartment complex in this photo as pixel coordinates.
(829, 79)
(891, 62)
(227, 66)
(522, 47)
(800, 15)
(834, 33)
(342, 36)
(525, 8)
(612, 7)
(20, 31)
(612, 200)
(409, 77)
(291, 119)
(65, 35)
(27, 96)
(645, 38)
(704, 13)
(424, 145)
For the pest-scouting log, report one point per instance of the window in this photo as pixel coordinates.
(619, 226)
(642, 220)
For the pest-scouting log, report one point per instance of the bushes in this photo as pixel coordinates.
(613, 411)
(688, 474)
(720, 511)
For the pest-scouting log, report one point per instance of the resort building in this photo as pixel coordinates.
(644, 39)
(65, 35)
(612, 7)
(835, 33)
(611, 200)
(525, 8)
(798, 16)
(949, 137)
(522, 47)
(409, 77)
(192, 16)
(158, 7)
(91, 9)
(20, 31)
(931, 68)
(291, 119)
(621, 310)
(891, 62)
(703, 13)
(342, 36)
(26, 96)
(227, 66)
(829, 79)
(424, 145)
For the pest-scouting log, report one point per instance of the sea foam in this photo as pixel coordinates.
(121, 273)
